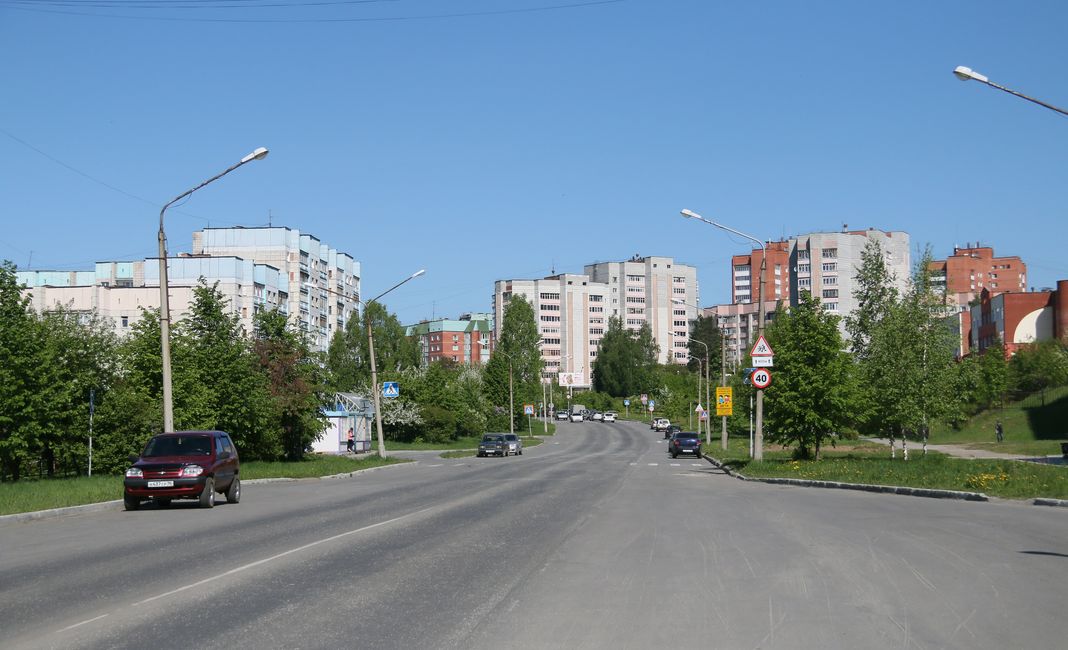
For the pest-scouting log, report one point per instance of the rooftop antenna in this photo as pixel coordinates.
(29, 264)
(269, 217)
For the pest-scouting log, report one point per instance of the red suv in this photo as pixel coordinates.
(184, 465)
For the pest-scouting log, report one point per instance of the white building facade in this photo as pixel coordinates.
(572, 311)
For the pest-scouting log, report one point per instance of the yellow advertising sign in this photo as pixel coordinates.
(725, 401)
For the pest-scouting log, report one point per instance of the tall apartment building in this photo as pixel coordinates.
(572, 310)
(826, 264)
(256, 269)
(459, 340)
(652, 291)
(962, 276)
(324, 283)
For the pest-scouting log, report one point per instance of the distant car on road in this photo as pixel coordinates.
(610, 416)
(576, 416)
(184, 465)
(515, 445)
(561, 415)
(684, 442)
(596, 416)
(492, 444)
(659, 424)
(671, 430)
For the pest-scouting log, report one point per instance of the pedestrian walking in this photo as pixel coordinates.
(352, 441)
(999, 431)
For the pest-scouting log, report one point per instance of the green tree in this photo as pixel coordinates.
(295, 380)
(1039, 366)
(626, 360)
(348, 358)
(875, 294)
(218, 382)
(993, 374)
(23, 399)
(517, 347)
(706, 331)
(810, 398)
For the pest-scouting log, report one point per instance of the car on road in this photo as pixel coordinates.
(684, 442)
(596, 416)
(492, 444)
(515, 444)
(561, 415)
(576, 416)
(610, 416)
(671, 430)
(659, 424)
(184, 465)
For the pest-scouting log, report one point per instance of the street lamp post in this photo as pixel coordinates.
(698, 360)
(758, 437)
(375, 390)
(966, 74)
(164, 302)
(723, 380)
(708, 403)
(511, 395)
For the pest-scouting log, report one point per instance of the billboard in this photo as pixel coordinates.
(572, 379)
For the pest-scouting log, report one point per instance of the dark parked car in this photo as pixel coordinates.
(492, 444)
(671, 429)
(515, 445)
(184, 465)
(684, 442)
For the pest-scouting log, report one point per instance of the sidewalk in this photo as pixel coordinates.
(958, 451)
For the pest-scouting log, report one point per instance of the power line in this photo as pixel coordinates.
(460, 14)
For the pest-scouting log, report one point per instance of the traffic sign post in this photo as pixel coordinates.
(390, 389)
(725, 401)
(761, 378)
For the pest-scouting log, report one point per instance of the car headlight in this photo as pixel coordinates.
(134, 472)
(192, 471)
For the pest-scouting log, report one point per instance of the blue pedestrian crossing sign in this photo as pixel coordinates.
(390, 389)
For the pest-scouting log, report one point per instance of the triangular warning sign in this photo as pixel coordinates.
(761, 348)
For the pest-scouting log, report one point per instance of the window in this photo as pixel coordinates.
(830, 279)
(596, 310)
(596, 330)
(830, 293)
(636, 299)
(679, 291)
(741, 268)
(596, 298)
(635, 310)
(550, 307)
(550, 319)
(830, 306)
(549, 296)
(830, 253)
(679, 312)
(680, 323)
(802, 254)
(830, 266)
(804, 268)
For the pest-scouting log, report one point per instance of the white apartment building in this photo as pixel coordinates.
(571, 315)
(324, 283)
(256, 269)
(826, 265)
(572, 310)
(120, 291)
(654, 291)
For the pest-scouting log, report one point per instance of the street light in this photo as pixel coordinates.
(758, 446)
(164, 306)
(374, 369)
(708, 402)
(965, 74)
(511, 397)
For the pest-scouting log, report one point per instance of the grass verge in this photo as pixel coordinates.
(45, 494)
(862, 462)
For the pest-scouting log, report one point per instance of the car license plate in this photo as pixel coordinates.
(159, 484)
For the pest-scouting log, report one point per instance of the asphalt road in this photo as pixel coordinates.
(595, 539)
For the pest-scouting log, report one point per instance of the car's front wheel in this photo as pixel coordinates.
(233, 493)
(131, 503)
(207, 495)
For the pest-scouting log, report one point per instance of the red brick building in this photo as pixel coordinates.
(1019, 318)
(963, 276)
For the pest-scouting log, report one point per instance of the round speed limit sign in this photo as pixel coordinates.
(761, 378)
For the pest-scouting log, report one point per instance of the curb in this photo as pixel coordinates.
(20, 517)
(885, 489)
(1050, 502)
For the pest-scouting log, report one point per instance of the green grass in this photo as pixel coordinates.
(870, 463)
(44, 494)
(1035, 425)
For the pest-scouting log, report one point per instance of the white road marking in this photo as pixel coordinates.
(676, 464)
(634, 463)
(438, 465)
(653, 464)
(265, 560)
(696, 464)
(90, 620)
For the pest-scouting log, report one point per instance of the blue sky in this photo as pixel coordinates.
(482, 141)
